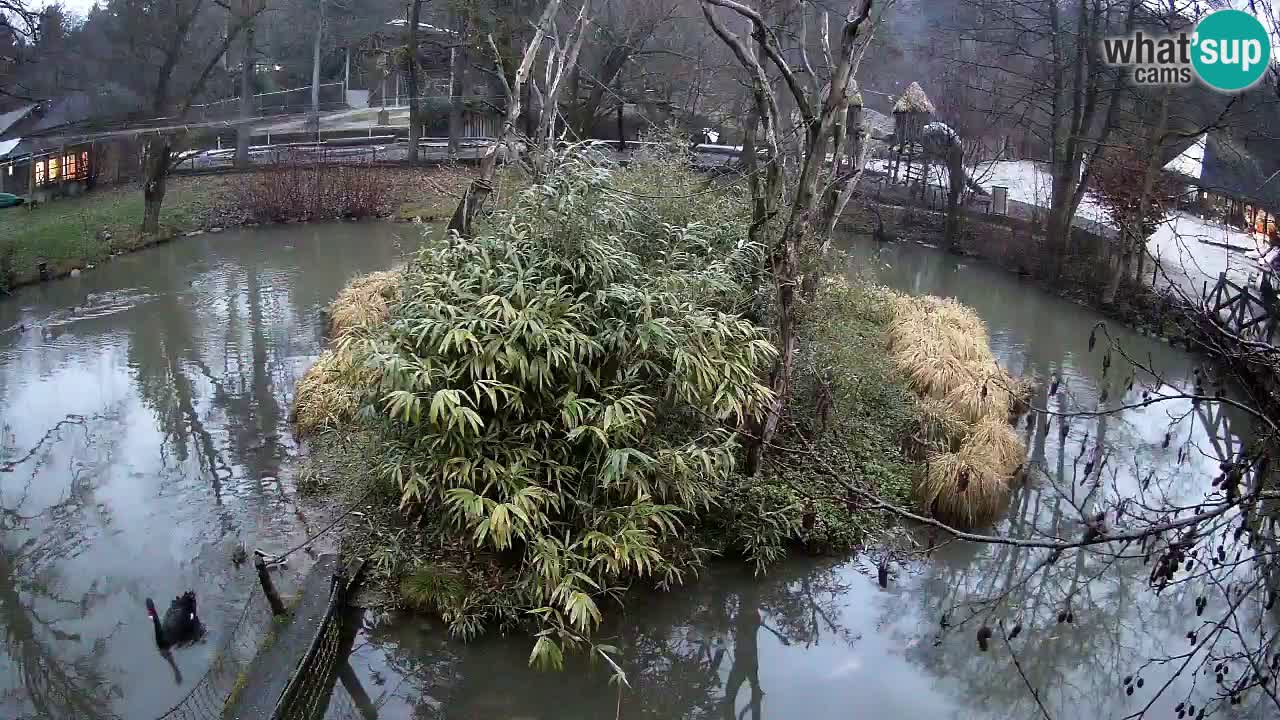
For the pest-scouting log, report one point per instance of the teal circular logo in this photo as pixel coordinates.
(1231, 50)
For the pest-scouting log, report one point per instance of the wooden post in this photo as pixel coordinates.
(268, 587)
(359, 696)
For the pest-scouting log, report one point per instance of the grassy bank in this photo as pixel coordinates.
(72, 233)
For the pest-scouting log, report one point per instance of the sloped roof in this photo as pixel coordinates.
(1246, 167)
(1188, 160)
(9, 119)
(913, 100)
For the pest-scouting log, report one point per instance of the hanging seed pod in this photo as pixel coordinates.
(1093, 338)
(1271, 601)
(1167, 438)
(1140, 682)
(1062, 616)
(984, 634)
(1071, 617)
(1128, 679)
(1088, 469)
(1218, 677)
(1129, 388)
(1106, 363)
(1128, 690)
(1017, 630)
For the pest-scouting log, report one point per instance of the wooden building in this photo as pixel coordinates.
(1233, 177)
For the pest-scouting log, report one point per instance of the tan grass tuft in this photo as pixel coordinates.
(966, 401)
(963, 488)
(365, 301)
(327, 395)
(998, 442)
(914, 100)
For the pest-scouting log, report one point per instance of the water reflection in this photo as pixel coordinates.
(143, 431)
(820, 640)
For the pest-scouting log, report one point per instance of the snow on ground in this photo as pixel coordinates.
(1190, 262)
(1182, 244)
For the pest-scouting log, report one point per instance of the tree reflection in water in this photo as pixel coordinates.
(53, 675)
(693, 653)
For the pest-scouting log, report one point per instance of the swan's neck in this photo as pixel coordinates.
(160, 641)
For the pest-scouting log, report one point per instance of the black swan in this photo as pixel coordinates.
(181, 624)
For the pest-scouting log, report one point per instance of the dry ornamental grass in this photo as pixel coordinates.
(967, 401)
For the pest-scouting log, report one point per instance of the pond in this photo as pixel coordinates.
(144, 413)
(144, 434)
(819, 639)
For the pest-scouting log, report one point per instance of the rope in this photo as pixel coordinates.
(277, 559)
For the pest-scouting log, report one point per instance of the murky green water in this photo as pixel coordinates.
(171, 373)
(820, 640)
(143, 433)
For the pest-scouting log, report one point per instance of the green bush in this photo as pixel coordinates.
(560, 391)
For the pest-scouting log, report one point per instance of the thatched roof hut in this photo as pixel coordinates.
(914, 101)
(912, 111)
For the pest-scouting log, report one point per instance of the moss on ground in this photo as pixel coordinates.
(868, 438)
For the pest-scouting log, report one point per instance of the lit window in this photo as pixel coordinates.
(54, 167)
(40, 176)
(10, 171)
(84, 163)
(69, 167)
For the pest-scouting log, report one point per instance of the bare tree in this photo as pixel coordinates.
(248, 70)
(173, 48)
(820, 110)
(1042, 58)
(481, 187)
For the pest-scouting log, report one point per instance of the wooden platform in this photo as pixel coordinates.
(269, 673)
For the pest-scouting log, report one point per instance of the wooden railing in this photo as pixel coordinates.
(1243, 310)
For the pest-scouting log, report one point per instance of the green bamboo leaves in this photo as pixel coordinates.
(564, 386)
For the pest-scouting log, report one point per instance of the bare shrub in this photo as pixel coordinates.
(295, 191)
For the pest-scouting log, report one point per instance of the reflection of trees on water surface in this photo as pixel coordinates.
(49, 671)
(208, 341)
(691, 653)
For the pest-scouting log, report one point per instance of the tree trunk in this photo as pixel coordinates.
(156, 173)
(457, 83)
(415, 119)
(315, 70)
(955, 182)
(244, 130)
(1133, 233)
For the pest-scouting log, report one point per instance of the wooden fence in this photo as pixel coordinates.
(1245, 311)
